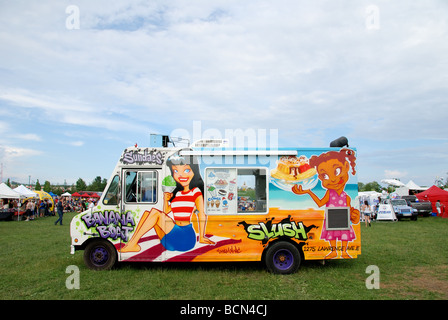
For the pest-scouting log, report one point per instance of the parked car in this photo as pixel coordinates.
(402, 210)
(423, 207)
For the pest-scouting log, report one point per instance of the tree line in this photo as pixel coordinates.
(370, 186)
(374, 186)
(98, 184)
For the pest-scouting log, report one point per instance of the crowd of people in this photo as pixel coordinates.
(32, 209)
(72, 205)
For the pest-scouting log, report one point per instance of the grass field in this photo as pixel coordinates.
(411, 256)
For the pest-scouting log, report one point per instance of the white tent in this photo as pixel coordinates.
(402, 191)
(413, 186)
(25, 192)
(67, 194)
(7, 193)
(370, 196)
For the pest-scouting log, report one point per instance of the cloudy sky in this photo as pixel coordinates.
(82, 80)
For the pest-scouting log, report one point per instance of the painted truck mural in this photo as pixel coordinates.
(205, 204)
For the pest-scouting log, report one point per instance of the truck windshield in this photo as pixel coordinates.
(111, 197)
(399, 202)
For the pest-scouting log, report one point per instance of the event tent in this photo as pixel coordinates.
(7, 193)
(370, 196)
(404, 190)
(413, 186)
(25, 192)
(45, 196)
(433, 194)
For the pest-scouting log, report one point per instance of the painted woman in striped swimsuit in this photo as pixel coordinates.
(177, 234)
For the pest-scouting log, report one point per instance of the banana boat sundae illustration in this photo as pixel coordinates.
(294, 170)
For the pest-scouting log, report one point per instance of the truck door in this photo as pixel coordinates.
(142, 192)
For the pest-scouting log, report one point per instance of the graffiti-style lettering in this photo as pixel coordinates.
(138, 157)
(110, 224)
(114, 232)
(286, 228)
(254, 232)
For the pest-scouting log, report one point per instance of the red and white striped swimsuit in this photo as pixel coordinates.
(183, 204)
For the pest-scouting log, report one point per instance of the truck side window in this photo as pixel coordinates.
(141, 186)
(147, 187)
(111, 197)
(251, 190)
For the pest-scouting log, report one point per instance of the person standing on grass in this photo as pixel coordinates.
(28, 211)
(33, 210)
(367, 211)
(91, 204)
(60, 208)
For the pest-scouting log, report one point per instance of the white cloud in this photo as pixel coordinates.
(9, 153)
(65, 110)
(29, 136)
(77, 143)
(395, 174)
(18, 162)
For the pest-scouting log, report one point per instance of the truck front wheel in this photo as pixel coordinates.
(100, 255)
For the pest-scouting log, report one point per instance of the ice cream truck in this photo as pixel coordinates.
(206, 202)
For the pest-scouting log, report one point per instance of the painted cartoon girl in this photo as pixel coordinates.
(333, 171)
(176, 234)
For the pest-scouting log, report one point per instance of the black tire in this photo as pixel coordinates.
(100, 255)
(282, 258)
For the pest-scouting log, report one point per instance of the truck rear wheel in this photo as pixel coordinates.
(282, 258)
(100, 255)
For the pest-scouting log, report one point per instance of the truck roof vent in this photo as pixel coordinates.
(211, 143)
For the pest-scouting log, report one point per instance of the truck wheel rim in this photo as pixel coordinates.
(283, 259)
(99, 256)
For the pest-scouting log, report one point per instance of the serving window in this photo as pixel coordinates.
(235, 190)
